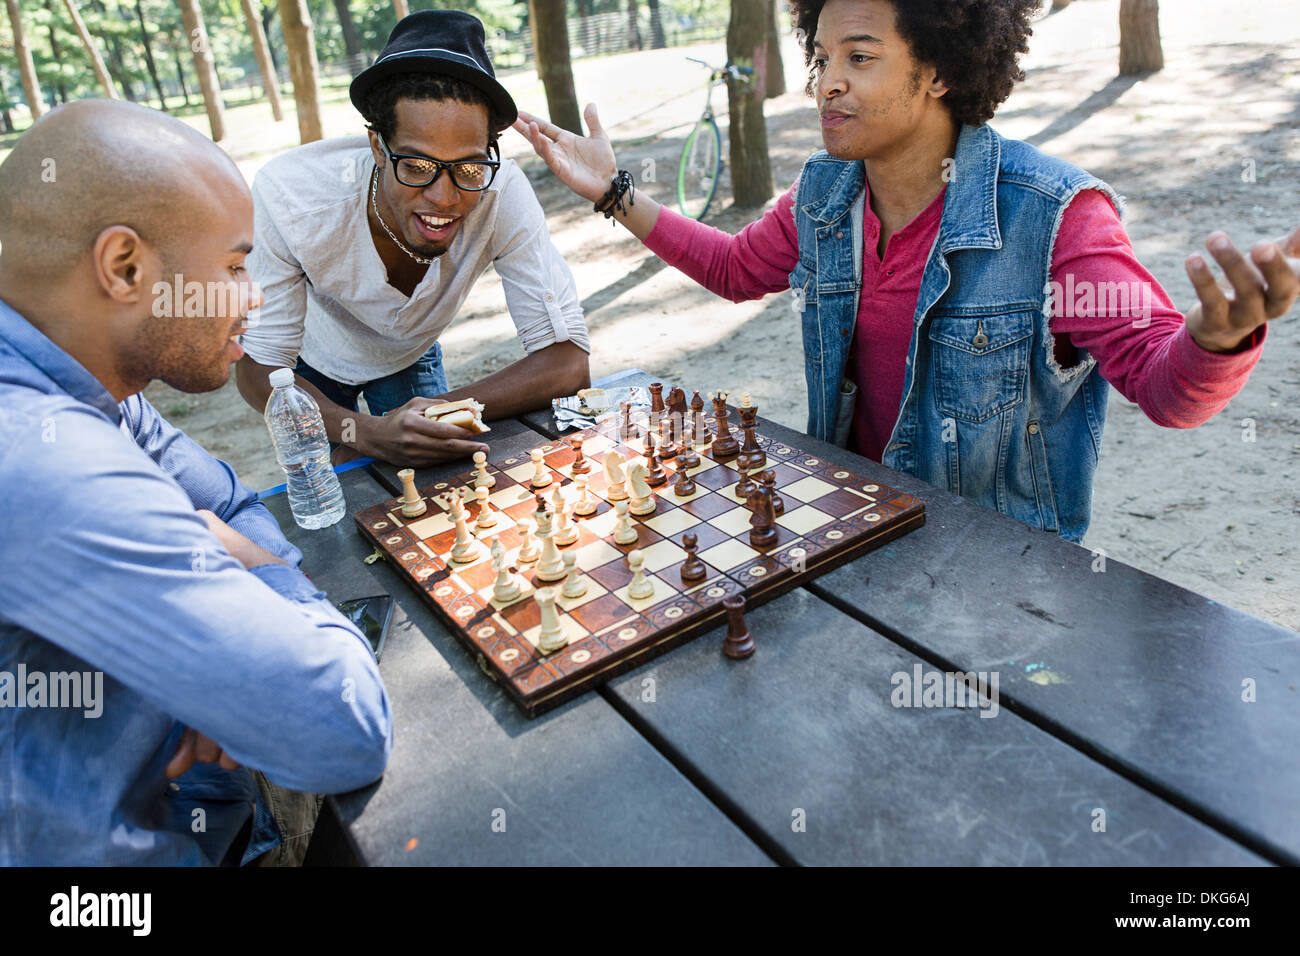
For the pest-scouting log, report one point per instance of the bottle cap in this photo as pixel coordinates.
(281, 377)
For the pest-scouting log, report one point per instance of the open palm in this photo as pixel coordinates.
(583, 163)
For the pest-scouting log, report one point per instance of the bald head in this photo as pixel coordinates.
(93, 164)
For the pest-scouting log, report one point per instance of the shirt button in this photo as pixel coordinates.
(839, 235)
(1033, 428)
(175, 786)
(844, 332)
(550, 297)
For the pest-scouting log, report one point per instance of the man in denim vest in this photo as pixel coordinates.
(965, 299)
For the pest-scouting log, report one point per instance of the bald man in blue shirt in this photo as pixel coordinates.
(151, 611)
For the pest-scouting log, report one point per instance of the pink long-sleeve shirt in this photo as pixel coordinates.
(1158, 365)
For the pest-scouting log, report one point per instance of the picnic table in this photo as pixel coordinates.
(1139, 723)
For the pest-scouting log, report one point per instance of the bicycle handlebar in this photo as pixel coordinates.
(736, 71)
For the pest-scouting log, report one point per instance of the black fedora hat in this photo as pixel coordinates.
(448, 42)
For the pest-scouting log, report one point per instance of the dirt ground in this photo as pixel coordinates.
(1211, 142)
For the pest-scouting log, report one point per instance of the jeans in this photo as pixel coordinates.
(424, 379)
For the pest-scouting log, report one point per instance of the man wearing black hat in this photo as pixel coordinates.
(366, 251)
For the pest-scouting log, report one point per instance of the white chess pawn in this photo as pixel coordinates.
(552, 637)
(643, 499)
(487, 515)
(481, 478)
(541, 473)
(617, 481)
(625, 532)
(566, 532)
(550, 567)
(640, 586)
(575, 585)
(528, 548)
(506, 590)
(586, 503)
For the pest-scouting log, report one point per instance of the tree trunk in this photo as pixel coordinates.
(6, 119)
(26, 66)
(351, 39)
(1139, 37)
(751, 170)
(299, 39)
(401, 8)
(775, 67)
(96, 60)
(263, 53)
(116, 64)
(633, 31)
(657, 41)
(148, 57)
(551, 48)
(205, 66)
(56, 52)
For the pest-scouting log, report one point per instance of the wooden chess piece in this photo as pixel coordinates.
(566, 532)
(724, 444)
(640, 587)
(693, 569)
(580, 464)
(626, 431)
(616, 480)
(685, 486)
(506, 590)
(749, 423)
(746, 486)
(738, 643)
(575, 584)
(762, 520)
(552, 637)
(666, 447)
(625, 531)
(587, 502)
(768, 481)
(481, 477)
(656, 475)
(656, 398)
(487, 515)
(700, 435)
(412, 504)
(466, 548)
(541, 474)
(643, 499)
(550, 567)
(676, 402)
(528, 548)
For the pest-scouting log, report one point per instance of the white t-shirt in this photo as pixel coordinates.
(326, 289)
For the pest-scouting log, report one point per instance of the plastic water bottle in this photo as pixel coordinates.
(303, 450)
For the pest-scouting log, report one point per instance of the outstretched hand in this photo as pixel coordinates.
(1264, 286)
(583, 163)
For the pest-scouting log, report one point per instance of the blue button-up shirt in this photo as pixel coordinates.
(124, 620)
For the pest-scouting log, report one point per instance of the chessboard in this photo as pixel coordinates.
(828, 515)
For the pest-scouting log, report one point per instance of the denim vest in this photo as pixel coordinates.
(987, 411)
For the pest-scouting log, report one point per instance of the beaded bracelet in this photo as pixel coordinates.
(621, 186)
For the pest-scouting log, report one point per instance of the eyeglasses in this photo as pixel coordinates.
(420, 171)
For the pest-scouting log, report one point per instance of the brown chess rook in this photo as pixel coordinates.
(738, 643)
(693, 569)
(656, 397)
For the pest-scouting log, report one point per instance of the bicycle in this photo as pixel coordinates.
(701, 163)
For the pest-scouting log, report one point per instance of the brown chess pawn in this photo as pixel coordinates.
(700, 434)
(739, 643)
(725, 444)
(685, 485)
(580, 464)
(693, 569)
(767, 479)
(626, 430)
(762, 522)
(687, 458)
(746, 486)
(657, 475)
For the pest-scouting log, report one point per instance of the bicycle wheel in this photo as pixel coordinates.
(697, 176)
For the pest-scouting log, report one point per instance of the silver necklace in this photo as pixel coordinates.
(374, 187)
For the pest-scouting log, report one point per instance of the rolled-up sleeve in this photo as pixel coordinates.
(275, 331)
(540, 292)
